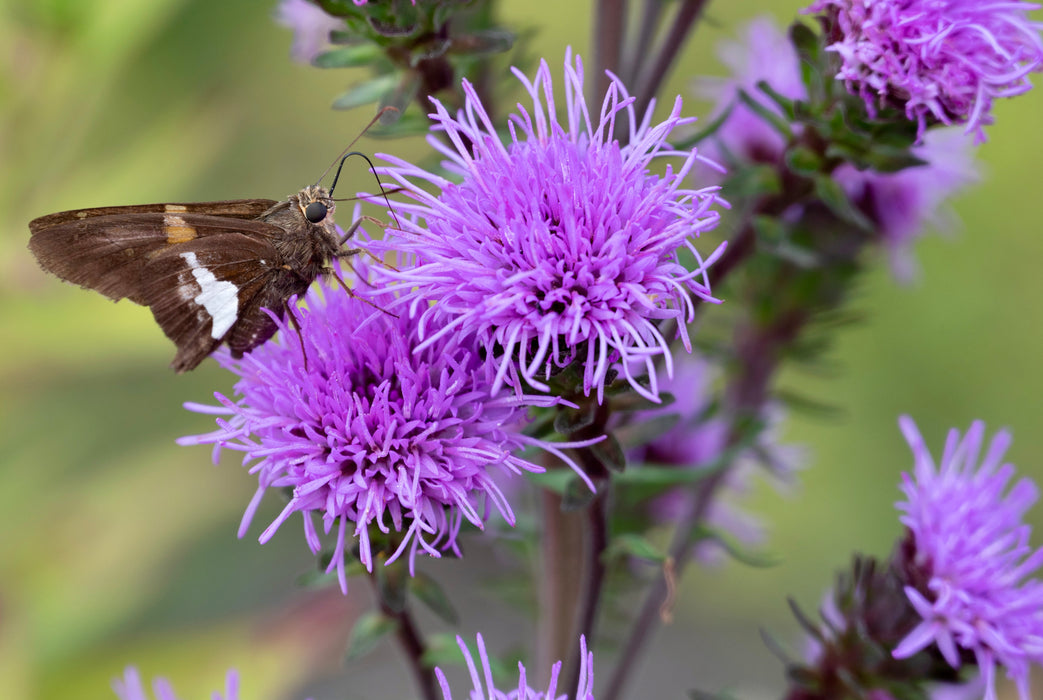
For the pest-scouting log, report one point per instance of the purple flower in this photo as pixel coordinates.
(130, 687)
(584, 688)
(561, 245)
(764, 54)
(901, 204)
(311, 27)
(905, 203)
(370, 430)
(973, 550)
(943, 60)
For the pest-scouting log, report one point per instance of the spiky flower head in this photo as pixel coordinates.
(561, 245)
(905, 204)
(371, 431)
(584, 687)
(972, 550)
(130, 687)
(764, 53)
(942, 61)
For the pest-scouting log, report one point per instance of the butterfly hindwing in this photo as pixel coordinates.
(211, 290)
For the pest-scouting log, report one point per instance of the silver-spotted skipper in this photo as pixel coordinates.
(207, 270)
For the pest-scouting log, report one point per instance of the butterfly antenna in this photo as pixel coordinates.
(372, 169)
(344, 154)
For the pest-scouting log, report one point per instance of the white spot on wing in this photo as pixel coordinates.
(219, 298)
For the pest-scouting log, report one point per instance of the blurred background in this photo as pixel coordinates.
(117, 547)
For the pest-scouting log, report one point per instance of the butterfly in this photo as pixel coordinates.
(207, 270)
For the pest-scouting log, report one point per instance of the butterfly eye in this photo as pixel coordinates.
(315, 212)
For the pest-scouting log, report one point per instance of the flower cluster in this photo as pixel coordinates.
(974, 554)
(560, 246)
(130, 687)
(371, 429)
(901, 204)
(584, 687)
(941, 60)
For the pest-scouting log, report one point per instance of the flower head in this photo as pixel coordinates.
(764, 54)
(584, 688)
(371, 431)
(905, 203)
(941, 60)
(130, 687)
(973, 551)
(311, 27)
(561, 245)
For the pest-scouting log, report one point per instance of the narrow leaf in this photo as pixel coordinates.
(367, 633)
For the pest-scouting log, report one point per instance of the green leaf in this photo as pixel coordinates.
(635, 545)
(483, 41)
(369, 629)
(430, 593)
(803, 161)
(577, 495)
(787, 105)
(709, 130)
(609, 453)
(771, 117)
(367, 92)
(833, 196)
(348, 56)
(568, 421)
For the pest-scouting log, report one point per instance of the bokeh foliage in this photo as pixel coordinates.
(119, 547)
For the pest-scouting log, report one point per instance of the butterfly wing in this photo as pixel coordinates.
(212, 290)
(108, 249)
(230, 208)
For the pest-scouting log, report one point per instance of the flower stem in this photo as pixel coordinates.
(595, 544)
(609, 20)
(759, 351)
(559, 582)
(411, 641)
(654, 73)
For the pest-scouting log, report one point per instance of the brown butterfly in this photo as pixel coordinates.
(208, 270)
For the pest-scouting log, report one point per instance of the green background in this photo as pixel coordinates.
(118, 547)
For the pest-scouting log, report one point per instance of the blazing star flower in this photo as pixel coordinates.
(764, 54)
(372, 430)
(584, 688)
(311, 27)
(942, 60)
(902, 205)
(905, 203)
(130, 687)
(561, 245)
(973, 548)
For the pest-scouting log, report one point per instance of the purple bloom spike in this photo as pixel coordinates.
(942, 60)
(973, 549)
(373, 431)
(559, 245)
(130, 687)
(584, 688)
(903, 205)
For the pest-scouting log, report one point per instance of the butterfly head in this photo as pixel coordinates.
(316, 204)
